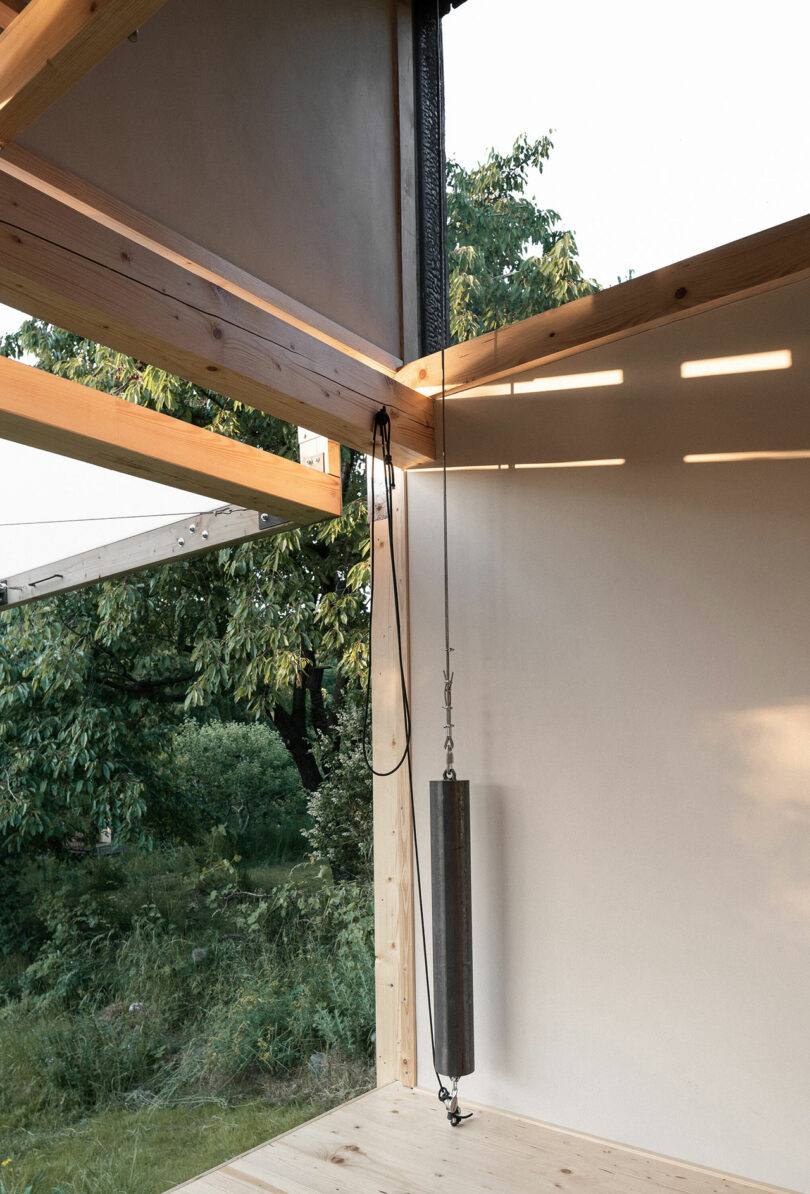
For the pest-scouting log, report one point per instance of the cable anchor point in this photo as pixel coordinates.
(450, 1100)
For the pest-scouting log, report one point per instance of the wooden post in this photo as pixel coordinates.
(393, 835)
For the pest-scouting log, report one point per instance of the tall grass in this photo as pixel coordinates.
(181, 989)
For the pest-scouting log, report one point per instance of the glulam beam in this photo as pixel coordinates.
(179, 540)
(57, 415)
(776, 257)
(62, 262)
(51, 44)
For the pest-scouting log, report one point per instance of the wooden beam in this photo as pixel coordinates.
(150, 234)
(57, 415)
(51, 44)
(7, 14)
(764, 261)
(181, 540)
(66, 266)
(394, 933)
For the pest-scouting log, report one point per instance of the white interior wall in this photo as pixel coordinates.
(632, 660)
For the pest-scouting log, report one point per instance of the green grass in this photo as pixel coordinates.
(145, 1151)
(166, 1013)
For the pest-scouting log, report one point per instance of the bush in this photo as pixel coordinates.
(341, 809)
(168, 976)
(241, 776)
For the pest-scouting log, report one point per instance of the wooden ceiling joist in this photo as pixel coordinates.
(62, 264)
(8, 13)
(167, 242)
(764, 261)
(51, 44)
(180, 540)
(57, 415)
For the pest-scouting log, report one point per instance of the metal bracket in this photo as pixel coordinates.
(318, 452)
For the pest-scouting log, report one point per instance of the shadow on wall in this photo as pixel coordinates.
(771, 747)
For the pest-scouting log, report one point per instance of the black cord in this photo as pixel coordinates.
(382, 423)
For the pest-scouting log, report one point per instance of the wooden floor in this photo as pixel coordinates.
(397, 1141)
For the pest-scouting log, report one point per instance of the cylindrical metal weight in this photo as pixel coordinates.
(452, 926)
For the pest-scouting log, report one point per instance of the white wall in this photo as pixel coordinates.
(633, 712)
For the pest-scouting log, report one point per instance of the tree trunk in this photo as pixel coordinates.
(293, 729)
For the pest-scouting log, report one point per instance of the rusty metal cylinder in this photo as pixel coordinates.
(451, 885)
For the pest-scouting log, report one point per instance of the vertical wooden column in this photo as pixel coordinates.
(393, 835)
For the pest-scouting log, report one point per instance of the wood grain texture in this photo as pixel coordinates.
(7, 14)
(764, 261)
(393, 836)
(57, 415)
(181, 540)
(62, 265)
(397, 1141)
(75, 192)
(51, 44)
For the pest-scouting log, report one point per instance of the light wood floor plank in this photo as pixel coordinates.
(397, 1141)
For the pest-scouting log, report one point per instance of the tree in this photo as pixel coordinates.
(93, 683)
(494, 231)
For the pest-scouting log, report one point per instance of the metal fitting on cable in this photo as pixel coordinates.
(450, 1100)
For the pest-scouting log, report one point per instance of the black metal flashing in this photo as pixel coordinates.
(430, 171)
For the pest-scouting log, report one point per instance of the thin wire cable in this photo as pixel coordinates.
(52, 522)
(449, 744)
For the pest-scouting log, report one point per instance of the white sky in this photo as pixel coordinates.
(677, 127)
(42, 486)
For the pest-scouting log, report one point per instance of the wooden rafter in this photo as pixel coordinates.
(180, 540)
(51, 44)
(7, 14)
(224, 275)
(63, 264)
(764, 261)
(57, 415)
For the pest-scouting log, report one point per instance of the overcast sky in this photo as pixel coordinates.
(676, 128)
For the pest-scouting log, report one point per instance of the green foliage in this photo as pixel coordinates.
(341, 808)
(91, 682)
(91, 1059)
(17, 925)
(173, 981)
(146, 1148)
(168, 966)
(508, 258)
(240, 776)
